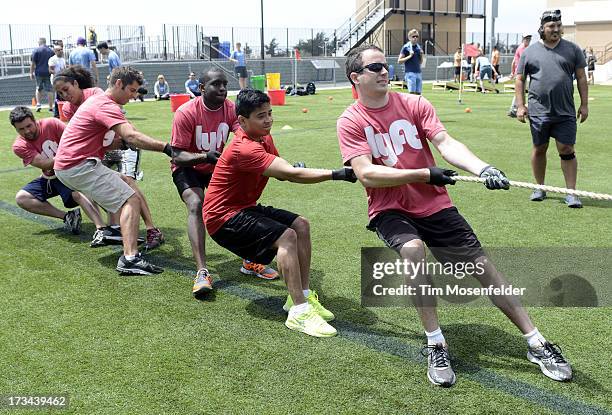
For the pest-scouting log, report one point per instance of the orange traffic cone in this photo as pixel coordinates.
(34, 101)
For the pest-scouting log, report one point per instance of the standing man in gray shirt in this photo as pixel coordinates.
(551, 64)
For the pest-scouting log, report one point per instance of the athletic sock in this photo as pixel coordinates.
(435, 337)
(116, 227)
(306, 293)
(299, 309)
(130, 257)
(534, 338)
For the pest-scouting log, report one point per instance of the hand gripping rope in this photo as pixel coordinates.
(551, 189)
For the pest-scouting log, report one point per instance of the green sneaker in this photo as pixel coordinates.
(313, 300)
(310, 323)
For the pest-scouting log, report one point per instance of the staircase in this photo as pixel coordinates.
(361, 25)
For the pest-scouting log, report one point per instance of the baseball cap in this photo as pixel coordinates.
(526, 35)
(81, 41)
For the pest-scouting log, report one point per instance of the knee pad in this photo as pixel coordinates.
(567, 156)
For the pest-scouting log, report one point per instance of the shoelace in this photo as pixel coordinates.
(439, 355)
(258, 268)
(202, 275)
(552, 351)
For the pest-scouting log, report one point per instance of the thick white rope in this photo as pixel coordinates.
(551, 189)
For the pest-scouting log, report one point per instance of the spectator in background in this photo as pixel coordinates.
(192, 86)
(590, 60)
(411, 56)
(92, 40)
(484, 68)
(39, 71)
(517, 57)
(110, 55)
(552, 64)
(457, 64)
(161, 88)
(239, 59)
(495, 63)
(84, 57)
(56, 64)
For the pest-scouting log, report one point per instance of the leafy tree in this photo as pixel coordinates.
(315, 46)
(272, 47)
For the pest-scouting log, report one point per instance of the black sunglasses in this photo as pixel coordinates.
(374, 67)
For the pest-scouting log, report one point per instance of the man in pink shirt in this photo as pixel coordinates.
(385, 137)
(515, 61)
(78, 160)
(201, 128)
(36, 146)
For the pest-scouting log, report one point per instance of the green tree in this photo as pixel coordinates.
(271, 48)
(315, 46)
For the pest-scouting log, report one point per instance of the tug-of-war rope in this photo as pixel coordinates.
(551, 189)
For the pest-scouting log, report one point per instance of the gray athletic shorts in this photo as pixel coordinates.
(98, 183)
(562, 129)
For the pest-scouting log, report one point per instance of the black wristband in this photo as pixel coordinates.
(168, 150)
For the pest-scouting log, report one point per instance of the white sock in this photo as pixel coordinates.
(130, 257)
(299, 309)
(435, 337)
(306, 293)
(115, 226)
(534, 338)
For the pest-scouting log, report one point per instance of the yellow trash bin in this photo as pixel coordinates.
(273, 80)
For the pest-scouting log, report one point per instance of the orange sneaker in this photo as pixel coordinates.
(259, 270)
(202, 283)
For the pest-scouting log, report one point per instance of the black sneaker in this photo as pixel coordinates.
(113, 235)
(137, 266)
(72, 221)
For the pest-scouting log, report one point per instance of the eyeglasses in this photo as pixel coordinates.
(374, 67)
(414, 37)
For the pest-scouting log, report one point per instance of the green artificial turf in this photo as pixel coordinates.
(143, 345)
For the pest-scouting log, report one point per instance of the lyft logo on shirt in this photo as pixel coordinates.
(109, 137)
(388, 146)
(212, 140)
(49, 148)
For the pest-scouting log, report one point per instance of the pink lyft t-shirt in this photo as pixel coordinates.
(237, 181)
(396, 136)
(68, 109)
(88, 133)
(49, 133)
(199, 129)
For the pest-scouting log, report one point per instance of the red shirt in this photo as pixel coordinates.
(49, 133)
(237, 181)
(68, 109)
(199, 129)
(88, 133)
(395, 136)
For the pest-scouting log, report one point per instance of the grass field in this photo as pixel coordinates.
(143, 345)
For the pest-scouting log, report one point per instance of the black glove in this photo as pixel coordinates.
(300, 164)
(168, 150)
(494, 178)
(441, 177)
(346, 173)
(212, 156)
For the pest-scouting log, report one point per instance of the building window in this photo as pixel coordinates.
(425, 4)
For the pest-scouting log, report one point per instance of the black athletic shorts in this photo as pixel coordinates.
(241, 71)
(251, 232)
(457, 70)
(188, 177)
(446, 233)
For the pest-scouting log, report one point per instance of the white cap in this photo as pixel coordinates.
(526, 35)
